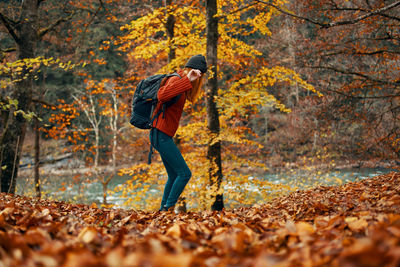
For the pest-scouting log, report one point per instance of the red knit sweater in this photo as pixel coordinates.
(168, 123)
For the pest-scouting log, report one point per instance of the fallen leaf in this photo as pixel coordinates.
(356, 224)
(174, 231)
(87, 235)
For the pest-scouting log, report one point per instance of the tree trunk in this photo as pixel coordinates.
(114, 152)
(105, 181)
(214, 147)
(37, 158)
(169, 27)
(25, 36)
(97, 145)
(105, 185)
(170, 33)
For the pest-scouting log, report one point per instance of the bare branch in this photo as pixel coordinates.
(389, 16)
(239, 9)
(366, 77)
(292, 14)
(363, 97)
(333, 24)
(370, 14)
(55, 24)
(40, 101)
(368, 53)
(10, 30)
(243, 8)
(91, 20)
(8, 50)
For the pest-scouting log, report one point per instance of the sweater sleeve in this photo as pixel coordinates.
(173, 87)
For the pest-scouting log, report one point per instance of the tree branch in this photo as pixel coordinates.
(389, 16)
(238, 10)
(369, 53)
(362, 97)
(10, 30)
(8, 50)
(91, 20)
(55, 24)
(39, 101)
(292, 14)
(338, 23)
(366, 77)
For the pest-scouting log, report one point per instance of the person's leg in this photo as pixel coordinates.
(171, 179)
(173, 160)
(154, 140)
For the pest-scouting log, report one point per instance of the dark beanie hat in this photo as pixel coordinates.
(197, 62)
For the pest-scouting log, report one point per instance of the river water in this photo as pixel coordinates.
(82, 189)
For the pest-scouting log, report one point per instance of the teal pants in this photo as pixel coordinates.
(178, 171)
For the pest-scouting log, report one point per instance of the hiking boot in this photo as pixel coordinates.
(163, 208)
(170, 209)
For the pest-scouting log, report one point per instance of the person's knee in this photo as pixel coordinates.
(186, 175)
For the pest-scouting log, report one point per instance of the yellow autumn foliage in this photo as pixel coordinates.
(246, 91)
(18, 70)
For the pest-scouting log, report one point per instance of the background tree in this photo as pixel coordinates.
(351, 52)
(25, 37)
(26, 24)
(214, 145)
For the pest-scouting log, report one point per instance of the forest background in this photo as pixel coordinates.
(300, 85)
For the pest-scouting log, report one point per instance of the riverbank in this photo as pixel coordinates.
(82, 185)
(340, 164)
(67, 164)
(351, 225)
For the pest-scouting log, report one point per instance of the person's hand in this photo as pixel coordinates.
(193, 74)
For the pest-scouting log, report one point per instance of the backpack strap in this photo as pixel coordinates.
(151, 146)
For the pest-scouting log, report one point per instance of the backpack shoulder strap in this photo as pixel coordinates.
(164, 80)
(174, 74)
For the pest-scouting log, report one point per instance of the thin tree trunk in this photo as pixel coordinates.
(170, 33)
(37, 158)
(97, 144)
(170, 27)
(105, 185)
(105, 182)
(114, 128)
(214, 147)
(291, 42)
(114, 152)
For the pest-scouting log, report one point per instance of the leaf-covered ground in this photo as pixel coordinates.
(357, 224)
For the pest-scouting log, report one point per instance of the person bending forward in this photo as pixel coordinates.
(187, 87)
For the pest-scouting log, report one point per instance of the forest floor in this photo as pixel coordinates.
(357, 224)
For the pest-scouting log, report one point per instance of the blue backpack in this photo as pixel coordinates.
(145, 101)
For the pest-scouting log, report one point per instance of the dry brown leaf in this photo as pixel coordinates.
(169, 260)
(115, 257)
(334, 226)
(174, 231)
(356, 224)
(87, 235)
(304, 228)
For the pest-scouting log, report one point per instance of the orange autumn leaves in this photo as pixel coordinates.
(355, 224)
